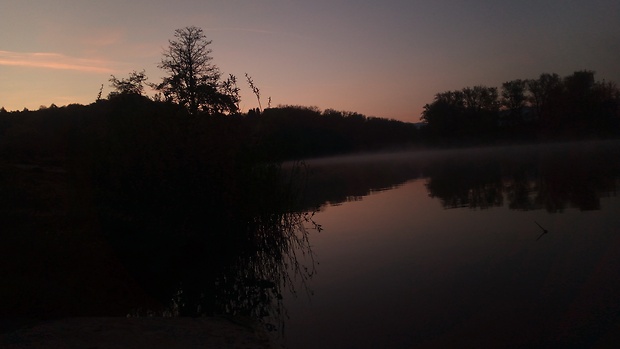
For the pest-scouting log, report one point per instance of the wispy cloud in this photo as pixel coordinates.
(48, 60)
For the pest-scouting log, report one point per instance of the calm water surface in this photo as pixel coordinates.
(450, 250)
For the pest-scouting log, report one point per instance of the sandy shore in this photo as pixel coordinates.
(108, 333)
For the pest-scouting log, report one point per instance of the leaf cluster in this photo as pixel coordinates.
(133, 85)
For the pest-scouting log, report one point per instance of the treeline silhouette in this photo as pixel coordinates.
(274, 134)
(547, 108)
(294, 132)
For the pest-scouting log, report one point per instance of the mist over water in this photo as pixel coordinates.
(564, 173)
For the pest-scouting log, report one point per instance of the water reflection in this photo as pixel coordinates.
(463, 184)
(280, 261)
(550, 177)
(553, 178)
(437, 263)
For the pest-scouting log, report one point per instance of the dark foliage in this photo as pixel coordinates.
(546, 108)
(134, 84)
(192, 81)
(293, 132)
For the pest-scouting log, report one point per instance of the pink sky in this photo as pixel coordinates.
(383, 59)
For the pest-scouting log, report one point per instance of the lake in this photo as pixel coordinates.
(503, 247)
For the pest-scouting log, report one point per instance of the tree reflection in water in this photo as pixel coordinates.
(281, 260)
(463, 185)
(527, 177)
(553, 177)
(263, 257)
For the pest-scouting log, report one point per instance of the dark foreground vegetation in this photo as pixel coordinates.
(129, 191)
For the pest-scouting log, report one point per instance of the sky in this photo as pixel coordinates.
(380, 58)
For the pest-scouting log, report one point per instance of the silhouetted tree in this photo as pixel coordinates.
(578, 98)
(231, 90)
(445, 113)
(514, 99)
(480, 98)
(574, 105)
(608, 107)
(193, 81)
(132, 85)
(545, 95)
(468, 112)
(513, 94)
(482, 106)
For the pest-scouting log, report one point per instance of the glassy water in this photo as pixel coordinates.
(507, 247)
